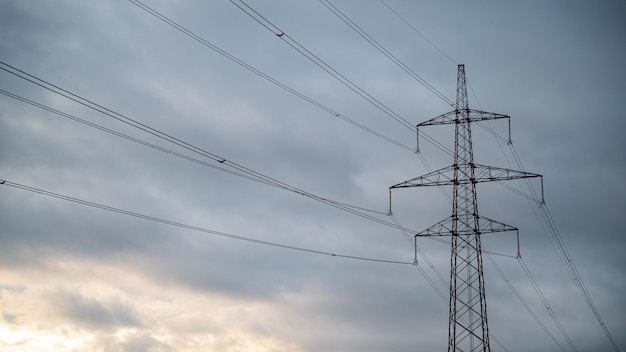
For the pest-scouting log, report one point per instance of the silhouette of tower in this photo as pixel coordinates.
(467, 329)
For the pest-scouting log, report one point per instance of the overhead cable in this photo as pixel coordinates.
(256, 71)
(254, 14)
(556, 239)
(263, 75)
(418, 32)
(558, 242)
(130, 138)
(342, 16)
(247, 9)
(359, 211)
(545, 303)
(194, 228)
(523, 302)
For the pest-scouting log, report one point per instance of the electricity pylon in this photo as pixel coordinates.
(467, 327)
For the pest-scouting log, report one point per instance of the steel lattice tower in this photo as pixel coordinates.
(467, 329)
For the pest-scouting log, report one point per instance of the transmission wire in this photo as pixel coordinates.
(240, 168)
(320, 63)
(533, 197)
(546, 304)
(323, 65)
(418, 32)
(130, 138)
(567, 259)
(554, 236)
(190, 227)
(343, 17)
(523, 302)
(263, 75)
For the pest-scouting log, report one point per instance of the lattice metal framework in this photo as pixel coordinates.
(467, 329)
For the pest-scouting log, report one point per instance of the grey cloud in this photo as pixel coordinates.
(86, 311)
(557, 70)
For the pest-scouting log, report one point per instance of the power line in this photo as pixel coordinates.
(545, 303)
(418, 32)
(523, 301)
(263, 75)
(343, 17)
(526, 270)
(555, 237)
(204, 42)
(559, 243)
(129, 138)
(334, 73)
(162, 149)
(552, 232)
(247, 9)
(264, 179)
(194, 228)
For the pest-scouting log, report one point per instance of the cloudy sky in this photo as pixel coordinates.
(78, 278)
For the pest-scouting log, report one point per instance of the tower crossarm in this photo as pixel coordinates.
(482, 173)
(439, 177)
(472, 116)
(485, 225)
(442, 228)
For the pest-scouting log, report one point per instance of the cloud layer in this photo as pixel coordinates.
(75, 278)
